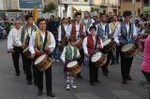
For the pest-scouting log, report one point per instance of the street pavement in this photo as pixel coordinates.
(15, 87)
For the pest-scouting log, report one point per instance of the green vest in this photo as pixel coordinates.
(68, 54)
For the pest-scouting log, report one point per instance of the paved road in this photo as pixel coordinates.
(13, 87)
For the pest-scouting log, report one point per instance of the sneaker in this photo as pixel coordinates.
(73, 86)
(68, 87)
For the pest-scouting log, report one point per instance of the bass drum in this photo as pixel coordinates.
(43, 62)
(99, 59)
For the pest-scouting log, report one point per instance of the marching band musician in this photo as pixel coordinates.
(104, 33)
(91, 44)
(112, 27)
(87, 21)
(42, 41)
(14, 44)
(78, 30)
(63, 33)
(70, 53)
(125, 33)
(27, 31)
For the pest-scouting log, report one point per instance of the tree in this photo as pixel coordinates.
(49, 8)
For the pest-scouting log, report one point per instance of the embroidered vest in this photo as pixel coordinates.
(25, 35)
(68, 54)
(126, 37)
(63, 32)
(87, 24)
(73, 30)
(113, 26)
(39, 40)
(100, 31)
(91, 44)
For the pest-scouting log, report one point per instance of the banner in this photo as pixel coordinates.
(30, 4)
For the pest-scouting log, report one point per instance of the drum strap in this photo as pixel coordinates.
(45, 40)
(96, 40)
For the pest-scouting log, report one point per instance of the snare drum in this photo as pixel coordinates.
(129, 50)
(73, 67)
(99, 59)
(43, 62)
(108, 45)
(26, 52)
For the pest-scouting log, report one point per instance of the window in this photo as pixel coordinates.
(85, 0)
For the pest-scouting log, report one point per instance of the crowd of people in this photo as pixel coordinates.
(76, 40)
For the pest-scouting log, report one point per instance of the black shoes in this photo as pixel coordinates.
(50, 94)
(97, 81)
(124, 81)
(40, 93)
(29, 82)
(17, 74)
(129, 78)
(92, 83)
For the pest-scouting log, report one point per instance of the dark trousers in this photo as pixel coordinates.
(48, 74)
(105, 66)
(93, 72)
(126, 63)
(117, 53)
(28, 68)
(147, 75)
(15, 57)
(80, 61)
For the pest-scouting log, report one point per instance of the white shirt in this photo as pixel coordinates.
(67, 30)
(118, 32)
(14, 38)
(32, 41)
(63, 57)
(85, 44)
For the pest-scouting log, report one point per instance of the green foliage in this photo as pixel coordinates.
(94, 9)
(49, 8)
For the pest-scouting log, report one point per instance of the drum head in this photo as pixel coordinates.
(39, 59)
(25, 49)
(106, 42)
(71, 64)
(96, 57)
(126, 47)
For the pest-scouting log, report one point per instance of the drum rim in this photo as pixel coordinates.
(95, 55)
(35, 63)
(25, 49)
(105, 41)
(71, 62)
(133, 53)
(122, 49)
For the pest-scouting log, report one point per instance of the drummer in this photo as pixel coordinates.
(104, 33)
(42, 42)
(125, 33)
(26, 33)
(69, 54)
(92, 44)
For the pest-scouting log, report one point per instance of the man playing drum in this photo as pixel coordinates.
(78, 30)
(42, 41)
(104, 33)
(69, 54)
(92, 44)
(26, 33)
(125, 33)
